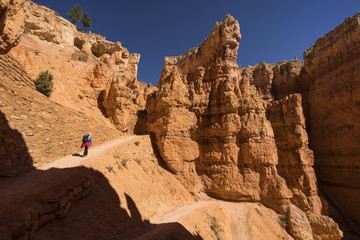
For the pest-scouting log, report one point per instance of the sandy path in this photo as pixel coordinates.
(240, 212)
(74, 161)
(181, 212)
(240, 224)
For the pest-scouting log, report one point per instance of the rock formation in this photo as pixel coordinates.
(334, 97)
(296, 160)
(230, 132)
(209, 122)
(328, 84)
(96, 66)
(12, 22)
(210, 127)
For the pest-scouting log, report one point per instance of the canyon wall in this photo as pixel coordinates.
(296, 160)
(88, 70)
(35, 129)
(334, 97)
(328, 83)
(210, 126)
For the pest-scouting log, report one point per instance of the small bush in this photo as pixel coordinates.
(283, 221)
(123, 162)
(110, 169)
(80, 96)
(216, 228)
(44, 83)
(258, 211)
(137, 143)
(138, 161)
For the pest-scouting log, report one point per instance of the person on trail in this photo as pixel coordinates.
(87, 142)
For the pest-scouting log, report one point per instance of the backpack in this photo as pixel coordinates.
(85, 138)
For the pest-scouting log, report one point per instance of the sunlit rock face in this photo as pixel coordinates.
(210, 124)
(12, 23)
(333, 64)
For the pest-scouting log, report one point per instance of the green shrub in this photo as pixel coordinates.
(44, 83)
(137, 143)
(80, 96)
(283, 221)
(123, 162)
(216, 228)
(110, 169)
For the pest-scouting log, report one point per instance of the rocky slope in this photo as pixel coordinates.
(36, 129)
(210, 127)
(88, 70)
(107, 197)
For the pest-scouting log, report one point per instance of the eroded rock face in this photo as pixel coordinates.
(99, 67)
(324, 228)
(210, 125)
(47, 25)
(296, 160)
(333, 64)
(12, 23)
(276, 81)
(298, 224)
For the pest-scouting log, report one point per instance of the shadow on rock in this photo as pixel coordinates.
(140, 126)
(14, 155)
(74, 203)
(77, 155)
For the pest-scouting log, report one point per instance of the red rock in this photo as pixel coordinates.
(324, 228)
(296, 160)
(12, 23)
(208, 122)
(334, 96)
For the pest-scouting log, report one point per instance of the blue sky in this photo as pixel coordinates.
(272, 31)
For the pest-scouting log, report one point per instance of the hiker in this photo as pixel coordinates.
(87, 142)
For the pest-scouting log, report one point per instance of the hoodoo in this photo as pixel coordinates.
(210, 126)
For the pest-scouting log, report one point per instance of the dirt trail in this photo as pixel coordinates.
(77, 159)
(240, 212)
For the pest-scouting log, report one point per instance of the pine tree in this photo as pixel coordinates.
(44, 83)
(86, 20)
(75, 14)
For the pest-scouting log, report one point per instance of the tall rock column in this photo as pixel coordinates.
(296, 160)
(210, 125)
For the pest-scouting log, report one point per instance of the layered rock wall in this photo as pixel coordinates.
(51, 209)
(296, 160)
(334, 97)
(48, 26)
(86, 62)
(210, 126)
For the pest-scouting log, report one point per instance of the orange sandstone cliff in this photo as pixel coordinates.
(327, 81)
(235, 134)
(333, 66)
(88, 70)
(210, 127)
